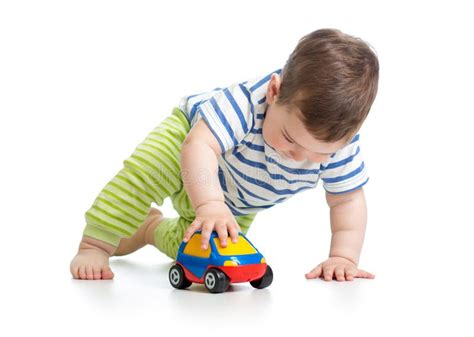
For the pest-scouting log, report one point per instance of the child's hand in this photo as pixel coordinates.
(339, 268)
(214, 214)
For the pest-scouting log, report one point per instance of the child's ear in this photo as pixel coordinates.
(273, 88)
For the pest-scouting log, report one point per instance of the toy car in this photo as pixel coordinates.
(219, 266)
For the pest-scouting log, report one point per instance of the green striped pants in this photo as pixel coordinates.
(151, 174)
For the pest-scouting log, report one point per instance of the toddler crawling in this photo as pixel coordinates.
(225, 155)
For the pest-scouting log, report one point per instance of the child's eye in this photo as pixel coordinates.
(287, 139)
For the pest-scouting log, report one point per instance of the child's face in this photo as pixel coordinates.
(284, 131)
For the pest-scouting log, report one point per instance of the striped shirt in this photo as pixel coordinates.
(253, 176)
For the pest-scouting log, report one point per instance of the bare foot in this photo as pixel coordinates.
(92, 260)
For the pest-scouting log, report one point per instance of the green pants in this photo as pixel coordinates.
(151, 174)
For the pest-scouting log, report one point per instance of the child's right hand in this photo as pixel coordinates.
(214, 215)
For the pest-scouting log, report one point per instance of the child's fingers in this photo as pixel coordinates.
(350, 273)
(221, 230)
(234, 233)
(363, 274)
(315, 273)
(194, 226)
(328, 272)
(339, 272)
(206, 231)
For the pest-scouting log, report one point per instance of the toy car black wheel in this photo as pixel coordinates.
(177, 277)
(216, 281)
(265, 280)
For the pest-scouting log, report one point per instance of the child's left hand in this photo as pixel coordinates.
(339, 268)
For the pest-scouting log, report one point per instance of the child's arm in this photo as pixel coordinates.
(348, 223)
(200, 178)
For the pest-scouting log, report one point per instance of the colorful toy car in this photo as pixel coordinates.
(219, 266)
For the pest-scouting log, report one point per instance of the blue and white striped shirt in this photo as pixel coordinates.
(252, 174)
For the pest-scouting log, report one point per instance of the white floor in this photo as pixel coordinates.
(421, 288)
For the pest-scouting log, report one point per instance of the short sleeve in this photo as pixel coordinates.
(345, 171)
(229, 115)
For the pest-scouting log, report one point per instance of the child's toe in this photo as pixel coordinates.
(107, 274)
(74, 271)
(97, 273)
(82, 272)
(89, 273)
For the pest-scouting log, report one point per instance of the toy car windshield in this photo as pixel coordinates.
(241, 247)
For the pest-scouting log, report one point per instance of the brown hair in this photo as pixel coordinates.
(332, 78)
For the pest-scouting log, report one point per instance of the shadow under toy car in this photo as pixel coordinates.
(219, 266)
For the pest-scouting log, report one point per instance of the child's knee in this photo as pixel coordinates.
(168, 236)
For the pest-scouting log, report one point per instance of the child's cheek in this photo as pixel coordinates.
(267, 135)
(280, 144)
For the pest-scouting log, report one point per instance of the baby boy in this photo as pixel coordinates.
(225, 155)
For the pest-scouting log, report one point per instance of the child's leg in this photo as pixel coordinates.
(142, 236)
(151, 174)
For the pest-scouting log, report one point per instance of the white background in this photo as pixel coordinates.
(83, 82)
